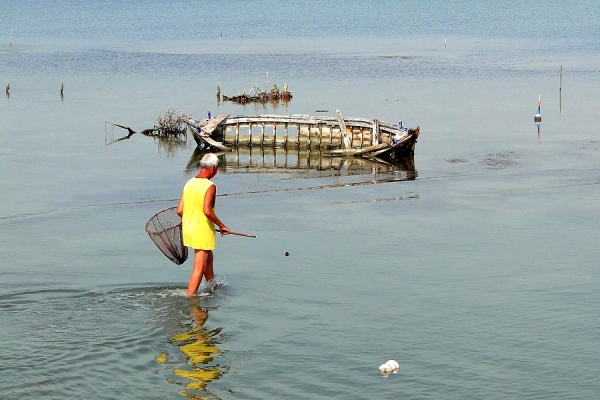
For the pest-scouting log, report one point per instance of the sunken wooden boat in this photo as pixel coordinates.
(332, 136)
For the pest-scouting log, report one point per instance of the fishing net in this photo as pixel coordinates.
(164, 228)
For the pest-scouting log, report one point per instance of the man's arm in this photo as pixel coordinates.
(180, 206)
(209, 203)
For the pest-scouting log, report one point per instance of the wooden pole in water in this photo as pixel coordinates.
(560, 86)
(560, 92)
(538, 115)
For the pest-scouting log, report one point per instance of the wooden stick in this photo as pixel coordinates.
(238, 233)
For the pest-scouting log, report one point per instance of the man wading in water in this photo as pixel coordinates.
(197, 211)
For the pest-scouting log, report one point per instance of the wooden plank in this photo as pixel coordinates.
(304, 119)
(342, 152)
(342, 124)
(378, 152)
(214, 143)
(375, 132)
(212, 124)
(372, 148)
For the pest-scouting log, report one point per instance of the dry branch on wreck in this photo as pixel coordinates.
(169, 125)
(260, 95)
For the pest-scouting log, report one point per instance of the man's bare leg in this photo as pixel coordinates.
(200, 261)
(209, 273)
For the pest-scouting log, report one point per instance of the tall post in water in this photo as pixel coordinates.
(538, 116)
(560, 92)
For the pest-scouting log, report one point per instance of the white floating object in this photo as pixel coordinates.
(395, 366)
(385, 368)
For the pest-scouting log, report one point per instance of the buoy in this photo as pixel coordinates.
(385, 369)
(391, 366)
(395, 366)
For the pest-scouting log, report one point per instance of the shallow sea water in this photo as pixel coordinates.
(477, 270)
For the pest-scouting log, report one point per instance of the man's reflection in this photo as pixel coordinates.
(199, 347)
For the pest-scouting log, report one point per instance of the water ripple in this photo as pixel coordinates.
(103, 345)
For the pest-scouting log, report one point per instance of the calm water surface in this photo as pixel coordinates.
(476, 267)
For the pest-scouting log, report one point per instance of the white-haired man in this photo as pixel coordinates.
(197, 210)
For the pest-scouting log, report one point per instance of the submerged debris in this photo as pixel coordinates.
(257, 94)
(172, 124)
(169, 125)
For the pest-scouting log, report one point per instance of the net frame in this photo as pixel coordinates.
(164, 229)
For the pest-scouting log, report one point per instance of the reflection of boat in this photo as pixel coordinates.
(305, 163)
(333, 136)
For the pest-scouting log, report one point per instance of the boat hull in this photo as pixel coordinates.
(331, 135)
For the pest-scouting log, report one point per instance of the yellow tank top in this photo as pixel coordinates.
(198, 231)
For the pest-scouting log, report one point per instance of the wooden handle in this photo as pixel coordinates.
(238, 233)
